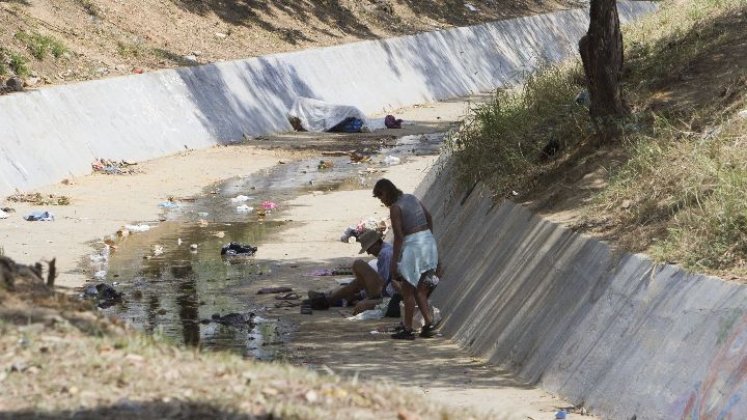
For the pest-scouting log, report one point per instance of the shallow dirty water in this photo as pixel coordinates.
(173, 278)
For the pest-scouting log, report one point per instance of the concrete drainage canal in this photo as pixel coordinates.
(170, 279)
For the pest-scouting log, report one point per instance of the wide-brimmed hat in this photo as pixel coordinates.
(367, 239)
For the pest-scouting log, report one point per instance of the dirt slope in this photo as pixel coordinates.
(57, 41)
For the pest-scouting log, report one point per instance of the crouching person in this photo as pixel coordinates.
(370, 285)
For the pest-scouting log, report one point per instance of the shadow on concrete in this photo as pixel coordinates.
(253, 96)
(138, 409)
(223, 103)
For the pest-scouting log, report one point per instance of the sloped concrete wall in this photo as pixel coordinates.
(616, 332)
(54, 133)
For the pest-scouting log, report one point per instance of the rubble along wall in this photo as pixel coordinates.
(616, 332)
(53, 133)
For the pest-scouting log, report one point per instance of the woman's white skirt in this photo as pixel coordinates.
(419, 254)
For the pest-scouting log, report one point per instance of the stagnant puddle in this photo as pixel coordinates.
(173, 279)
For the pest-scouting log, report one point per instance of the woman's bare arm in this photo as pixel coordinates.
(395, 214)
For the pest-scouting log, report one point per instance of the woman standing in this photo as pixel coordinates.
(415, 254)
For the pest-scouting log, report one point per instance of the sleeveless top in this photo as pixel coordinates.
(413, 216)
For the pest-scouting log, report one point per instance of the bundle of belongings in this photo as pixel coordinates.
(317, 116)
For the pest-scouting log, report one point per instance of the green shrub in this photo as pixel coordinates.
(19, 65)
(40, 45)
(502, 141)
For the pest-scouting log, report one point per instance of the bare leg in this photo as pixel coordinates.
(408, 298)
(372, 282)
(421, 297)
(366, 278)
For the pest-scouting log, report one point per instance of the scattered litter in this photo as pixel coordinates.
(269, 205)
(358, 158)
(471, 7)
(40, 199)
(742, 114)
(348, 233)
(111, 167)
(240, 199)
(370, 223)
(562, 414)
(137, 228)
(271, 290)
(3, 215)
(391, 122)
(392, 160)
(336, 153)
(325, 164)
(220, 234)
(193, 247)
(158, 250)
(40, 216)
(288, 296)
(203, 214)
(378, 312)
(168, 205)
(368, 315)
(234, 249)
(104, 294)
(244, 209)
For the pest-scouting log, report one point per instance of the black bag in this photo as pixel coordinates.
(392, 310)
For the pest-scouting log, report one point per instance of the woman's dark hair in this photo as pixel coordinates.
(386, 185)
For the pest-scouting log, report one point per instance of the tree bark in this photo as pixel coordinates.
(602, 55)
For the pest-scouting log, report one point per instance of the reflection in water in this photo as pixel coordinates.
(188, 303)
(182, 286)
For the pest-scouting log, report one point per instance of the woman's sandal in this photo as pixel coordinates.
(288, 296)
(428, 331)
(287, 304)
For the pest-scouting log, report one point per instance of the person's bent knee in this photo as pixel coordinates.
(360, 265)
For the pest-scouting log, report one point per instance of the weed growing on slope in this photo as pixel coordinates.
(678, 192)
(40, 45)
(504, 141)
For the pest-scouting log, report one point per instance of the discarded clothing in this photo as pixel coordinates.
(234, 249)
(104, 294)
(391, 122)
(318, 116)
(269, 205)
(40, 216)
(348, 125)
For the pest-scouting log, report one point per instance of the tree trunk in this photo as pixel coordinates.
(602, 55)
